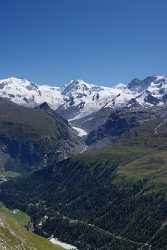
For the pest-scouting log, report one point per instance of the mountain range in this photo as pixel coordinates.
(87, 163)
(77, 98)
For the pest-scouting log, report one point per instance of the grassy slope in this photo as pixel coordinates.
(15, 237)
(114, 153)
(149, 166)
(21, 217)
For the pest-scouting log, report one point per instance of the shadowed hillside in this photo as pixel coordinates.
(29, 137)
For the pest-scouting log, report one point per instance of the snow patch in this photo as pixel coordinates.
(62, 244)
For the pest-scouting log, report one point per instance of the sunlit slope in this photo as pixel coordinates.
(15, 237)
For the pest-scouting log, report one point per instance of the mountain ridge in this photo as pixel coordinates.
(78, 98)
(28, 136)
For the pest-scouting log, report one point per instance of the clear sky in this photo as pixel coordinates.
(102, 41)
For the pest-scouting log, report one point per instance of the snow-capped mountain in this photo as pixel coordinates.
(24, 92)
(82, 98)
(78, 98)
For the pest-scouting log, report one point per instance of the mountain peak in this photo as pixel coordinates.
(79, 98)
(76, 86)
(77, 83)
(13, 80)
(141, 85)
(120, 85)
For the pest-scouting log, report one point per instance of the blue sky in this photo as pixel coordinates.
(102, 41)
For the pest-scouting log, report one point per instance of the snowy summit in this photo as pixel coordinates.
(78, 98)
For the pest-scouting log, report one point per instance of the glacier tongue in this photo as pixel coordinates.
(81, 132)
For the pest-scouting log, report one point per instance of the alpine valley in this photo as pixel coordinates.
(83, 165)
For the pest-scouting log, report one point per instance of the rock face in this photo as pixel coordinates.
(128, 126)
(77, 98)
(115, 125)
